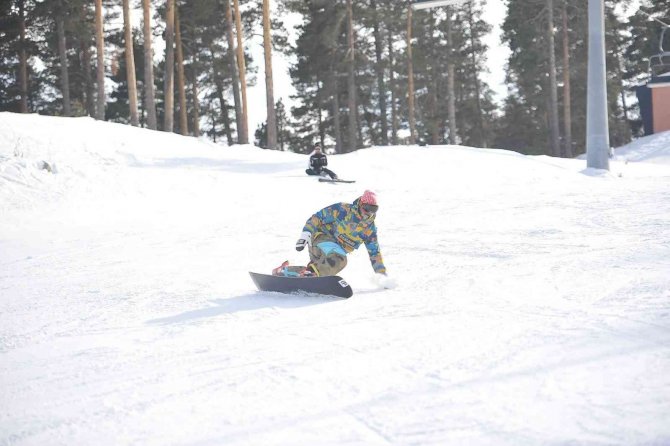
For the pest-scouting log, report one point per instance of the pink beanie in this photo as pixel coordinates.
(369, 197)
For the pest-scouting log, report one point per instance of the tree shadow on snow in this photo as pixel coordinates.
(246, 302)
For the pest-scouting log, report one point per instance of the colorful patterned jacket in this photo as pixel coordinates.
(344, 222)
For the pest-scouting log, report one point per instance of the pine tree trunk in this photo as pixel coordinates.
(100, 45)
(451, 73)
(410, 78)
(130, 64)
(168, 119)
(480, 114)
(149, 93)
(281, 125)
(88, 79)
(434, 116)
(244, 136)
(196, 101)
(379, 68)
(337, 126)
(359, 128)
(553, 97)
(181, 83)
(392, 87)
(62, 55)
(224, 115)
(368, 116)
(233, 68)
(213, 127)
(319, 113)
(85, 58)
(567, 115)
(23, 60)
(269, 87)
(434, 119)
(218, 82)
(351, 84)
(142, 112)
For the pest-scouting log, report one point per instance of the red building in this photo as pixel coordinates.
(654, 99)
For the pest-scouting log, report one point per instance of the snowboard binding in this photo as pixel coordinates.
(285, 270)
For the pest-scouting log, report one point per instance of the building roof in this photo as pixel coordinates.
(659, 81)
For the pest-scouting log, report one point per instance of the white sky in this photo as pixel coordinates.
(494, 14)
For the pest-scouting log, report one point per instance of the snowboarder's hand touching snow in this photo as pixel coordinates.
(384, 281)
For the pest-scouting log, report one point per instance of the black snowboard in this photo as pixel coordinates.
(328, 285)
(335, 180)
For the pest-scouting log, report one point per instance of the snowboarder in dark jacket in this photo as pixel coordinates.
(318, 162)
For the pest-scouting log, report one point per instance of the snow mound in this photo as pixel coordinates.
(651, 149)
(47, 158)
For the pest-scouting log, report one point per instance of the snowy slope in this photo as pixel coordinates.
(532, 303)
(652, 148)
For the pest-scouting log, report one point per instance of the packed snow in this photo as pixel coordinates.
(531, 302)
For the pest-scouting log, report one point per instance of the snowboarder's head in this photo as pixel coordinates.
(317, 147)
(367, 204)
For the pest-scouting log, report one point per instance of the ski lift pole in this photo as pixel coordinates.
(597, 128)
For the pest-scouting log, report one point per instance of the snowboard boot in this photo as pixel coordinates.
(309, 271)
(279, 271)
(284, 270)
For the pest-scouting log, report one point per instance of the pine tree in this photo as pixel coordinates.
(11, 46)
(269, 87)
(62, 53)
(84, 32)
(130, 64)
(117, 108)
(149, 88)
(529, 75)
(567, 100)
(181, 76)
(100, 69)
(23, 58)
(234, 67)
(168, 82)
(351, 80)
(242, 71)
(410, 81)
(320, 62)
(552, 106)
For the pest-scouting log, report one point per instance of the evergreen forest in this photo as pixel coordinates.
(365, 72)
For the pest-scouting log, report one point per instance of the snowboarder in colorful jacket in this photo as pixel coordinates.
(335, 231)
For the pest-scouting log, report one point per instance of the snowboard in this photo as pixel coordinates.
(335, 180)
(327, 285)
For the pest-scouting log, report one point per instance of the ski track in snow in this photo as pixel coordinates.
(532, 303)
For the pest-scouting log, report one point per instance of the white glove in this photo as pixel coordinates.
(384, 281)
(304, 240)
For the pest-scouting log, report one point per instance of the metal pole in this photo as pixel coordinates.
(597, 129)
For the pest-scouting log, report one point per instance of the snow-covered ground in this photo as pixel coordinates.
(531, 306)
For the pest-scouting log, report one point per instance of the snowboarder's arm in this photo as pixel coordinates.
(372, 245)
